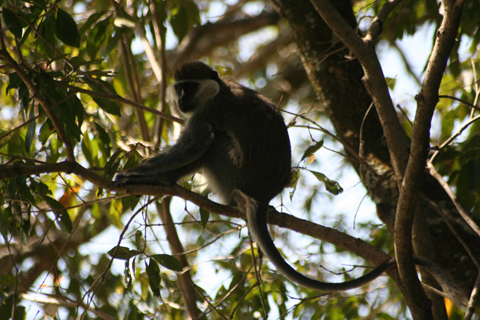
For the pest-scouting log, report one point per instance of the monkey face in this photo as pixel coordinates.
(188, 95)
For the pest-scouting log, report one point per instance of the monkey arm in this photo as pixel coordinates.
(174, 162)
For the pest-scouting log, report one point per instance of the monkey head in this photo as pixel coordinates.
(195, 84)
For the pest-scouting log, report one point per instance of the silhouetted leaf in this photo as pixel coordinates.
(154, 278)
(122, 253)
(204, 215)
(66, 29)
(332, 186)
(47, 30)
(60, 212)
(13, 23)
(30, 131)
(168, 262)
(107, 105)
(312, 149)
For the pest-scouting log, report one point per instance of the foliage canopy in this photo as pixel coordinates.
(83, 96)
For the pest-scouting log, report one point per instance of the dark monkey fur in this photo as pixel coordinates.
(238, 140)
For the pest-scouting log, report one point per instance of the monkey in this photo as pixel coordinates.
(238, 140)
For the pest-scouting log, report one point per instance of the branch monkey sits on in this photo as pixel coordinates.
(238, 140)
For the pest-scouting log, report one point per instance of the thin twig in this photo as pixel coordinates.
(473, 301)
(453, 137)
(65, 302)
(123, 100)
(453, 197)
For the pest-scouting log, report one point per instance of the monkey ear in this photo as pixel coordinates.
(207, 90)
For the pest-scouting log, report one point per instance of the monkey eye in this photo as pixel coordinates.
(186, 89)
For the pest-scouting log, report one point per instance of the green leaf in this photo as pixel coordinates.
(112, 165)
(168, 262)
(15, 81)
(60, 212)
(154, 278)
(30, 131)
(47, 30)
(204, 216)
(77, 107)
(184, 18)
(104, 143)
(295, 175)
(64, 111)
(122, 253)
(90, 21)
(312, 149)
(46, 131)
(97, 37)
(391, 82)
(13, 23)
(107, 105)
(130, 202)
(128, 274)
(113, 42)
(86, 146)
(66, 29)
(332, 186)
(26, 226)
(140, 241)
(41, 187)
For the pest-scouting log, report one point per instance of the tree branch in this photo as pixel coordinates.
(159, 31)
(374, 80)
(342, 240)
(426, 101)
(203, 39)
(377, 24)
(131, 78)
(184, 278)
(262, 55)
(454, 199)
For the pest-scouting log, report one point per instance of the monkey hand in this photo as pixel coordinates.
(138, 177)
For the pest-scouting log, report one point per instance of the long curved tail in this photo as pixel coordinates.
(257, 225)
